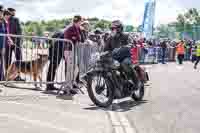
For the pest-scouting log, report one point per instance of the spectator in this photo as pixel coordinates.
(98, 36)
(44, 42)
(2, 44)
(86, 47)
(163, 49)
(56, 53)
(106, 36)
(144, 51)
(12, 11)
(14, 44)
(193, 52)
(197, 55)
(188, 50)
(35, 41)
(180, 49)
(73, 33)
(84, 30)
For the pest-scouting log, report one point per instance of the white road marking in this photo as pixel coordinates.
(115, 122)
(37, 122)
(114, 118)
(123, 120)
(120, 123)
(126, 123)
(119, 129)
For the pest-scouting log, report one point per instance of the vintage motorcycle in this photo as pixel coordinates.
(105, 80)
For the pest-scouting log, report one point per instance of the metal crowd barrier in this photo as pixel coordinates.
(57, 63)
(153, 55)
(84, 53)
(23, 60)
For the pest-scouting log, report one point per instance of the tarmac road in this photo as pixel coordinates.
(171, 105)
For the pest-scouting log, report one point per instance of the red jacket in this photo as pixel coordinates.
(73, 33)
(180, 48)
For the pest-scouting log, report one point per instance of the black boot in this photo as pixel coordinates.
(51, 88)
(18, 78)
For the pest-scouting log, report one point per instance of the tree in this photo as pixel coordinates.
(129, 28)
(38, 29)
(188, 23)
(103, 24)
(55, 25)
(165, 31)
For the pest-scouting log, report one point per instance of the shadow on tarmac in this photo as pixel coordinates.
(119, 107)
(10, 85)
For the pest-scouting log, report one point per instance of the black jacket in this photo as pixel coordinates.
(56, 49)
(15, 28)
(163, 45)
(2, 31)
(116, 42)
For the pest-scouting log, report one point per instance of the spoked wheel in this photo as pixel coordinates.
(100, 90)
(139, 93)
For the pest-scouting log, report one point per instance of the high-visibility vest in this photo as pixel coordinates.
(198, 50)
(180, 49)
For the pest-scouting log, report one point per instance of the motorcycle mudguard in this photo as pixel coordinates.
(143, 75)
(90, 73)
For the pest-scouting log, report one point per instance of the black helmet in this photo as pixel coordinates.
(117, 24)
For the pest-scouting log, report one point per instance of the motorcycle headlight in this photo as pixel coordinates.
(116, 63)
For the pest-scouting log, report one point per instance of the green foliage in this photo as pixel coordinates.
(103, 24)
(165, 31)
(187, 23)
(54, 25)
(129, 28)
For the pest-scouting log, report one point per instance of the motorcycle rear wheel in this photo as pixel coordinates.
(139, 93)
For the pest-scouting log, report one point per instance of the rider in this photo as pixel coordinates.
(116, 40)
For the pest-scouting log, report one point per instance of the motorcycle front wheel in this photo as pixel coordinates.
(100, 90)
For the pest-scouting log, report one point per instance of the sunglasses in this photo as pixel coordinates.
(113, 28)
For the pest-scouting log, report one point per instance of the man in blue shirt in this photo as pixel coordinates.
(2, 43)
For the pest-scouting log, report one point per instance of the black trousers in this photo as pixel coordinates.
(8, 54)
(54, 64)
(197, 60)
(2, 76)
(56, 54)
(194, 58)
(163, 55)
(180, 58)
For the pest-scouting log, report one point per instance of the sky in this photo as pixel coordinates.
(128, 11)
